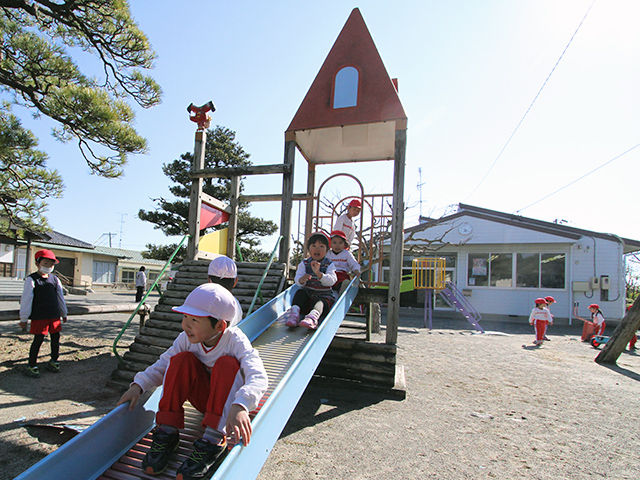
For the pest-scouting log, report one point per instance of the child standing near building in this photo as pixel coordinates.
(43, 302)
(223, 271)
(550, 301)
(316, 276)
(540, 317)
(597, 318)
(346, 264)
(213, 366)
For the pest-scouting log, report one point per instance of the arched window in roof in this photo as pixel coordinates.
(345, 90)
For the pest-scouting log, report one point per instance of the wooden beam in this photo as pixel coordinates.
(233, 217)
(271, 197)
(397, 238)
(228, 172)
(195, 198)
(214, 202)
(623, 333)
(287, 201)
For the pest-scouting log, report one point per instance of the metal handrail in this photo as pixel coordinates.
(264, 275)
(126, 325)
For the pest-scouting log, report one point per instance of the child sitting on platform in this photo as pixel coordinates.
(346, 264)
(214, 367)
(316, 276)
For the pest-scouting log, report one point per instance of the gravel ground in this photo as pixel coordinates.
(476, 406)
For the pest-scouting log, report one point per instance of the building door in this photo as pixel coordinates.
(65, 269)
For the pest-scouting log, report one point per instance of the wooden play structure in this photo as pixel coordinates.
(351, 114)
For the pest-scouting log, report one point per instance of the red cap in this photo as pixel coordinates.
(594, 305)
(540, 301)
(550, 299)
(355, 203)
(339, 233)
(319, 234)
(46, 254)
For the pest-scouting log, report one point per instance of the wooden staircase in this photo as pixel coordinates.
(164, 325)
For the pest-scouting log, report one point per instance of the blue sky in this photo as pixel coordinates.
(467, 70)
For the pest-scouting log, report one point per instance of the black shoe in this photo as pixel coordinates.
(53, 366)
(202, 458)
(157, 458)
(32, 372)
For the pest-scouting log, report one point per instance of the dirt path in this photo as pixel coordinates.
(477, 406)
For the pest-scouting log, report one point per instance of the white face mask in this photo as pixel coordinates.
(46, 270)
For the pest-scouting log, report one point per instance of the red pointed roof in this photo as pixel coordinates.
(378, 99)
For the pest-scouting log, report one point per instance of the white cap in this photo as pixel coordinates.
(209, 300)
(223, 267)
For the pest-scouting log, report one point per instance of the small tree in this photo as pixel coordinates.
(172, 217)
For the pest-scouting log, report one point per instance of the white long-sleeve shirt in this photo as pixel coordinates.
(233, 343)
(345, 225)
(344, 261)
(540, 314)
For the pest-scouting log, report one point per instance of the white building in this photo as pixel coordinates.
(503, 262)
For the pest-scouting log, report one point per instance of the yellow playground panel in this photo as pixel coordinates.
(428, 273)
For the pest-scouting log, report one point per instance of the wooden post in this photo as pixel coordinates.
(287, 200)
(625, 330)
(233, 217)
(397, 238)
(195, 200)
(311, 189)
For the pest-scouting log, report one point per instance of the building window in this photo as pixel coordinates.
(128, 276)
(552, 270)
(490, 270)
(345, 90)
(478, 271)
(501, 268)
(540, 270)
(104, 272)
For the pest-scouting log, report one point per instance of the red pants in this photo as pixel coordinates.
(632, 342)
(188, 379)
(599, 329)
(541, 329)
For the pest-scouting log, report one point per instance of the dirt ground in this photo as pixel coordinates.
(476, 406)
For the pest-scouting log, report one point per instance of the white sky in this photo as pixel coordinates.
(467, 70)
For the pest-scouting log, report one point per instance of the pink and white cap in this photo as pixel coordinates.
(223, 267)
(209, 300)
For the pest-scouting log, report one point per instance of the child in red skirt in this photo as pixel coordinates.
(43, 302)
(214, 367)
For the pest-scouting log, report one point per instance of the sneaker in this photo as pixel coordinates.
(32, 372)
(202, 458)
(311, 320)
(293, 316)
(545, 338)
(157, 458)
(53, 366)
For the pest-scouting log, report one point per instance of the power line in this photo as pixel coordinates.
(578, 179)
(530, 106)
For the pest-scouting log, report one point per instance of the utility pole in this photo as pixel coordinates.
(109, 235)
(122, 215)
(420, 184)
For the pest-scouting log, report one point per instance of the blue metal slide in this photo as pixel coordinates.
(112, 447)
